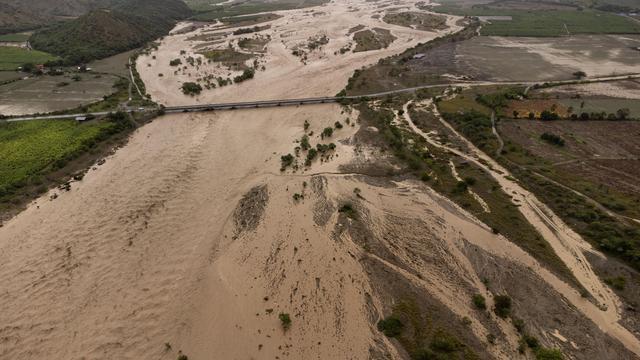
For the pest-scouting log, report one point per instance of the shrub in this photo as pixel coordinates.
(191, 88)
(306, 125)
(548, 354)
(285, 321)
(246, 75)
(327, 132)
(552, 139)
(286, 161)
(311, 155)
(338, 125)
(460, 187)
(391, 326)
(175, 62)
(502, 306)
(617, 282)
(348, 210)
(548, 115)
(518, 324)
(531, 341)
(444, 343)
(304, 143)
(479, 302)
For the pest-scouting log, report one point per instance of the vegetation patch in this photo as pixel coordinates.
(105, 32)
(417, 20)
(374, 39)
(191, 88)
(229, 57)
(422, 340)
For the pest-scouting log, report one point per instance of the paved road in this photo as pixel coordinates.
(329, 99)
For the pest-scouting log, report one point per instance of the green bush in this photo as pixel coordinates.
(548, 354)
(191, 88)
(285, 321)
(391, 326)
(617, 282)
(502, 306)
(479, 302)
(286, 161)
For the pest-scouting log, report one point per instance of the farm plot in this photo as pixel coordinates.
(12, 57)
(504, 58)
(53, 93)
(31, 147)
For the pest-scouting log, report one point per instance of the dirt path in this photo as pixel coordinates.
(496, 134)
(566, 243)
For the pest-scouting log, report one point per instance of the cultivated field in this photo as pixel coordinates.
(527, 59)
(12, 57)
(53, 93)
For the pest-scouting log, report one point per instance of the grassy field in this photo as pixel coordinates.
(12, 57)
(17, 37)
(545, 23)
(30, 148)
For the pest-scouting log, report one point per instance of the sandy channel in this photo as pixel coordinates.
(285, 75)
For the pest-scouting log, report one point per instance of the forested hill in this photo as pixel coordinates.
(125, 25)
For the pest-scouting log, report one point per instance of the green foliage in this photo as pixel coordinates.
(285, 321)
(547, 115)
(617, 282)
(502, 306)
(552, 139)
(391, 326)
(246, 75)
(311, 155)
(191, 88)
(12, 57)
(479, 302)
(304, 143)
(101, 33)
(286, 161)
(327, 132)
(31, 149)
(548, 354)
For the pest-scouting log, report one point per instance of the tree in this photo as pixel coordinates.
(548, 115)
(623, 113)
(515, 114)
(532, 115)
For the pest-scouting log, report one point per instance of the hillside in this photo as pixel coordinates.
(18, 15)
(102, 33)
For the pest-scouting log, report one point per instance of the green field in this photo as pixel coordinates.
(31, 148)
(17, 37)
(608, 106)
(13, 57)
(548, 22)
